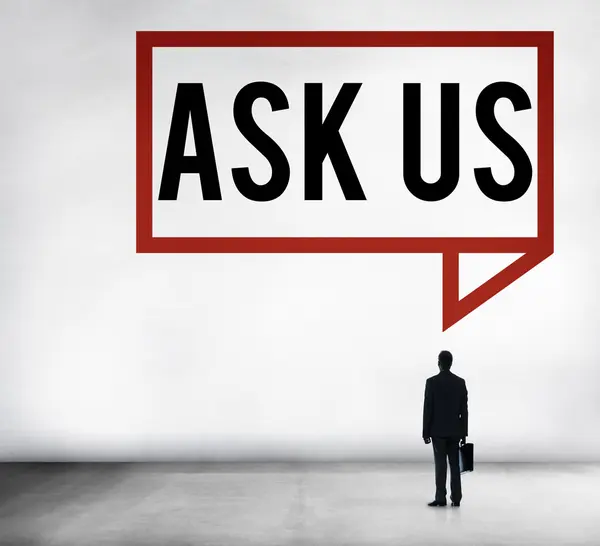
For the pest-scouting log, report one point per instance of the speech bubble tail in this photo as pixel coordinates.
(455, 308)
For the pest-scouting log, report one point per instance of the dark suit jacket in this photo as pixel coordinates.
(445, 410)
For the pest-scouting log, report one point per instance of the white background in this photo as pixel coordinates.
(109, 354)
(372, 133)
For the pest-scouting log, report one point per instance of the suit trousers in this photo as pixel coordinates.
(445, 450)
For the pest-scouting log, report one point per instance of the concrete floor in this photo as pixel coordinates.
(275, 504)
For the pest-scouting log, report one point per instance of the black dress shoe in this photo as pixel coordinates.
(456, 504)
(437, 503)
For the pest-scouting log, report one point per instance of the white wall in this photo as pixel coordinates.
(106, 354)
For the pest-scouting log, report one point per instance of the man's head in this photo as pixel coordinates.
(445, 361)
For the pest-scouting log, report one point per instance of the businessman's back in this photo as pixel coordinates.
(446, 416)
(445, 423)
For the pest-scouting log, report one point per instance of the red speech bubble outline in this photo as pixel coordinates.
(534, 249)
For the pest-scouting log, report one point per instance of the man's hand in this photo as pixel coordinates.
(427, 440)
(463, 441)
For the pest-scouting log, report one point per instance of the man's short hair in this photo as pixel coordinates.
(445, 360)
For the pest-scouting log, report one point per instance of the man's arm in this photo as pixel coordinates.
(427, 410)
(464, 411)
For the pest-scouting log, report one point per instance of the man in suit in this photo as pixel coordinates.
(445, 424)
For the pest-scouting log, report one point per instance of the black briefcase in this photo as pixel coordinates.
(465, 458)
